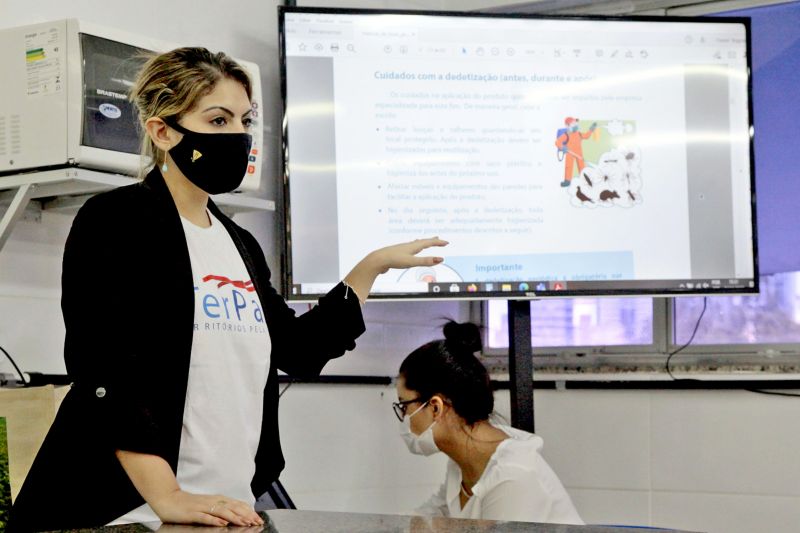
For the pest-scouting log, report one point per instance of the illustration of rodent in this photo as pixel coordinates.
(582, 197)
(608, 195)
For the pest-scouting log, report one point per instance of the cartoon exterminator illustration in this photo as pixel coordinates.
(569, 143)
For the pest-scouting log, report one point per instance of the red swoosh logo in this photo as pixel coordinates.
(244, 285)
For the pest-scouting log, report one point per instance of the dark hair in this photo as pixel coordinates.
(449, 367)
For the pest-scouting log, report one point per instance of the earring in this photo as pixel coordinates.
(164, 167)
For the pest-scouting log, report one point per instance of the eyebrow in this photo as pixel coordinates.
(226, 110)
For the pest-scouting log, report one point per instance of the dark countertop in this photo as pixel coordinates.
(293, 521)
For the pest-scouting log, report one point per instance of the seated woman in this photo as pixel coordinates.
(495, 472)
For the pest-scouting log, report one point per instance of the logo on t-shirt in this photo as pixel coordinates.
(247, 285)
(228, 305)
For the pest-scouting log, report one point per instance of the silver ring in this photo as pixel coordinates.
(218, 504)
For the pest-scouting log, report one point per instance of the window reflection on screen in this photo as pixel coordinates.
(578, 322)
(773, 316)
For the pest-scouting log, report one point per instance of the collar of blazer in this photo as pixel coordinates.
(154, 182)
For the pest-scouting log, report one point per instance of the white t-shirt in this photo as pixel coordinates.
(227, 373)
(517, 485)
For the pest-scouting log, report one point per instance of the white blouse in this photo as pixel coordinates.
(517, 485)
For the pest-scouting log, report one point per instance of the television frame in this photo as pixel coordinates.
(709, 287)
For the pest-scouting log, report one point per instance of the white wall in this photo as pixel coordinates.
(715, 461)
(719, 461)
(31, 328)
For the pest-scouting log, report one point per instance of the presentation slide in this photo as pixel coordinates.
(568, 155)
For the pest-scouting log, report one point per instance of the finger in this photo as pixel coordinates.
(246, 512)
(427, 243)
(234, 511)
(427, 261)
(208, 520)
(415, 247)
(242, 508)
(226, 513)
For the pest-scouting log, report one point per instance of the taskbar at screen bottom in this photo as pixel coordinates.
(542, 288)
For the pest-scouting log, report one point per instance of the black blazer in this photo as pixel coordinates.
(128, 306)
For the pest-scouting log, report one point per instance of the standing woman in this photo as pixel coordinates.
(495, 472)
(174, 333)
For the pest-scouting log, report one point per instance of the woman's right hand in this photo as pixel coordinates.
(179, 507)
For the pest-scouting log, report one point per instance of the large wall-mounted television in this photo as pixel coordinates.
(559, 156)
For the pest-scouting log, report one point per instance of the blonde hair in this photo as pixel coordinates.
(170, 84)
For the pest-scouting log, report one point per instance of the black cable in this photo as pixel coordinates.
(21, 376)
(284, 389)
(696, 327)
(774, 393)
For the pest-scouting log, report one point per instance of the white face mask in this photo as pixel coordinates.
(422, 444)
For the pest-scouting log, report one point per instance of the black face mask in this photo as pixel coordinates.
(215, 162)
